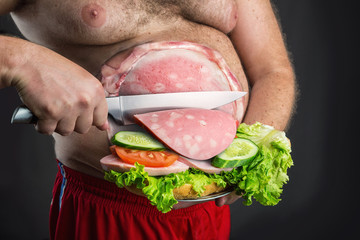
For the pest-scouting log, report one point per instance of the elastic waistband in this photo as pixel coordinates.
(117, 198)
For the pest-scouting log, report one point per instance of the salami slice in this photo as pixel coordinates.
(194, 133)
(114, 163)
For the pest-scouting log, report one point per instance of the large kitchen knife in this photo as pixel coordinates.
(123, 108)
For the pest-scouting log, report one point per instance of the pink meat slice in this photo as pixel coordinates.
(198, 134)
(204, 166)
(162, 67)
(112, 162)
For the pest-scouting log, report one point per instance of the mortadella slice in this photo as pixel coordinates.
(164, 67)
(112, 162)
(204, 165)
(198, 134)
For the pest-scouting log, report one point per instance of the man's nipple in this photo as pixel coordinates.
(93, 15)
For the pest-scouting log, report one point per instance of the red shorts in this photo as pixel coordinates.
(85, 207)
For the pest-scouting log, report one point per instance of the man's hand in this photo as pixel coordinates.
(62, 95)
(228, 199)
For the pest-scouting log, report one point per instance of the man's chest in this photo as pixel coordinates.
(108, 21)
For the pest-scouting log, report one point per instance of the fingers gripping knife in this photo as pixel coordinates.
(123, 108)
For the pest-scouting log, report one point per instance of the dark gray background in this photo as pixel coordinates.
(320, 199)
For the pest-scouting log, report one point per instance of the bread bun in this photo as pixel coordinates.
(184, 192)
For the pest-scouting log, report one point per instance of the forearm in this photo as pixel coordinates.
(8, 47)
(272, 99)
(258, 40)
(12, 55)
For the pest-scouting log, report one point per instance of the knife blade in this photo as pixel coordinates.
(123, 108)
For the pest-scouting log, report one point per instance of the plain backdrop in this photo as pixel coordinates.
(321, 198)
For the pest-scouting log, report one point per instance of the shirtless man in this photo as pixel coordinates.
(54, 72)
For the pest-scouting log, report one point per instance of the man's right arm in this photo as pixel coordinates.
(45, 82)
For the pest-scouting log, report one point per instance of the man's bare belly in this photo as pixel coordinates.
(83, 152)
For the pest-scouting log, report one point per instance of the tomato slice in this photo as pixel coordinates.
(146, 158)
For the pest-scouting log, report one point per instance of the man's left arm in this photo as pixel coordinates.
(259, 43)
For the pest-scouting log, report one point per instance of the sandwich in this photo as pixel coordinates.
(192, 153)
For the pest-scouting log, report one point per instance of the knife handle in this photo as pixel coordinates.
(23, 115)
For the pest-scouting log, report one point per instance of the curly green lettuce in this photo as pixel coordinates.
(264, 177)
(159, 189)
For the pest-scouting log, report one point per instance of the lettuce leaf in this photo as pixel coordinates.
(159, 189)
(264, 177)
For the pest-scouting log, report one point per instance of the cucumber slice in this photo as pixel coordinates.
(137, 140)
(240, 152)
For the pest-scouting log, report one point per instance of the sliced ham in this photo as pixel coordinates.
(112, 162)
(198, 134)
(204, 166)
(162, 67)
